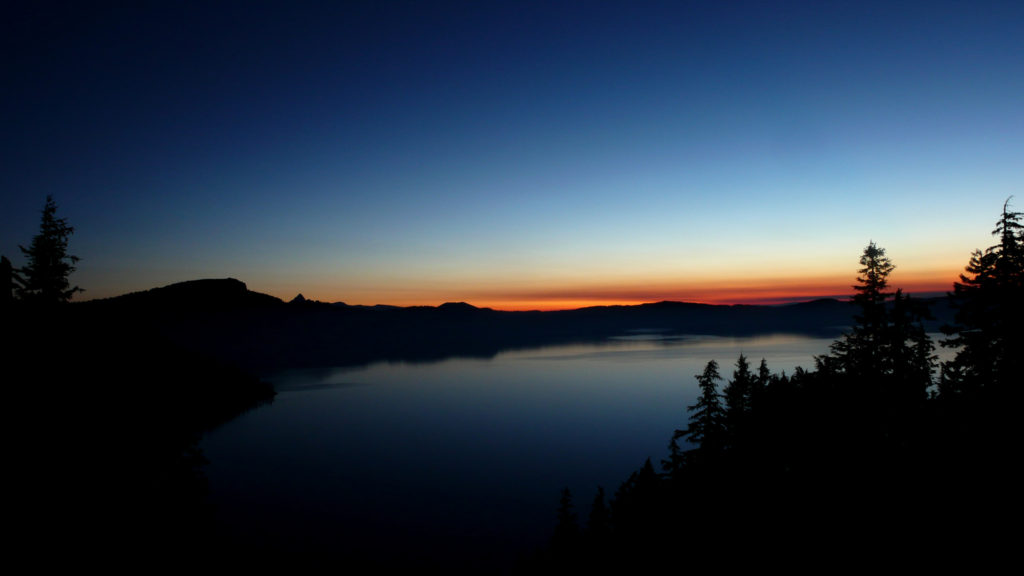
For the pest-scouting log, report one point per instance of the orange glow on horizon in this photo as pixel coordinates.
(762, 292)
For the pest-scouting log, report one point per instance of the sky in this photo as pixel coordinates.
(516, 155)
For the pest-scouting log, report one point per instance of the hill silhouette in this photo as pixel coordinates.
(112, 408)
(221, 318)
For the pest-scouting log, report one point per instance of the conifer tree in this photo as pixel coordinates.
(44, 278)
(989, 299)
(567, 530)
(599, 522)
(860, 351)
(737, 392)
(707, 421)
(738, 395)
(764, 376)
(911, 359)
(887, 347)
(676, 457)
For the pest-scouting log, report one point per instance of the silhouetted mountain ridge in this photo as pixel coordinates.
(223, 319)
(207, 293)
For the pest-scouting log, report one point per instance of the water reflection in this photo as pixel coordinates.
(459, 462)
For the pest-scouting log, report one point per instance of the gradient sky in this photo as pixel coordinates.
(512, 154)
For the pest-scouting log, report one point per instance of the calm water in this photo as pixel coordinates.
(460, 461)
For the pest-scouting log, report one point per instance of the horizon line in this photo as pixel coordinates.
(583, 304)
(568, 300)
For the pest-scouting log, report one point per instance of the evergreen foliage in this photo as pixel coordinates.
(567, 530)
(707, 418)
(44, 278)
(738, 396)
(990, 314)
(887, 349)
(676, 455)
(599, 522)
(764, 376)
(859, 351)
(911, 360)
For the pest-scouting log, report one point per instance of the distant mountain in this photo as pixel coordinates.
(460, 308)
(223, 319)
(227, 293)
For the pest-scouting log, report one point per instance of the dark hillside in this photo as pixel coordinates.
(108, 410)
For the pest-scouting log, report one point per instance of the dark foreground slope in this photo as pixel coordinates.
(104, 412)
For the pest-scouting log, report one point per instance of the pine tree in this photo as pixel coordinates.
(567, 530)
(707, 421)
(599, 521)
(676, 457)
(764, 377)
(887, 348)
(738, 391)
(860, 352)
(989, 299)
(911, 359)
(44, 278)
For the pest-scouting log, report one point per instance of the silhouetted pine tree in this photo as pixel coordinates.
(764, 377)
(980, 389)
(707, 419)
(887, 353)
(989, 299)
(911, 355)
(567, 530)
(859, 352)
(738, 396)
(599, 521)
(44, 278)
(676, 456)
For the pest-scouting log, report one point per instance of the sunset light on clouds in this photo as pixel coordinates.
(515, 155)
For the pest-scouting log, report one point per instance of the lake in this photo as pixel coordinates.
(459, 463)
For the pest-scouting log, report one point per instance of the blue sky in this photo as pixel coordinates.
(513, 154)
